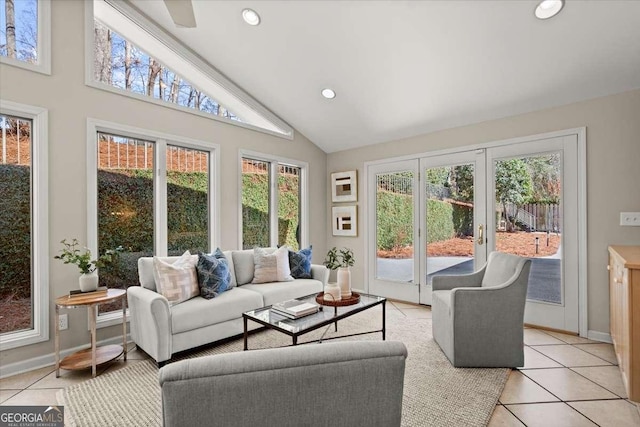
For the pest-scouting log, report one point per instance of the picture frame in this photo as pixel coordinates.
(344, 220)
(344, 186)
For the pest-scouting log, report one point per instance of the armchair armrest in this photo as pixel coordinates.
(321, 273)
(150, 322)
(446, 283)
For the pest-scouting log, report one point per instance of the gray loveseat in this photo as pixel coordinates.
(355, 384)
(162, 330)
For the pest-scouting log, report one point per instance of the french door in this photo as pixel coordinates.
(443, 214)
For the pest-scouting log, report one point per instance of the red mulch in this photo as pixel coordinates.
(15, 314)
(520, 243)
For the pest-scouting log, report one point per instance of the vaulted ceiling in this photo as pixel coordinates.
(403, 68)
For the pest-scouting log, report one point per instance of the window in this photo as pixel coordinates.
(123, 65)
(273, 202)
(129, 54)
(24, 294)
(25, 34)
(147, 213)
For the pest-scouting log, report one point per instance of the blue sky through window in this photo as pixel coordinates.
(26, 23)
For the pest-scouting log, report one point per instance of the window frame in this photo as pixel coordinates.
(274, 162)
(39, 225)
(44, 43)
(161, 141)
(187, 55)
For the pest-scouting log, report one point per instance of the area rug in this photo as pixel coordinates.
(435, 393)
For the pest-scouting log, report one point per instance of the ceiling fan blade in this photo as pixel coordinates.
(181, 12)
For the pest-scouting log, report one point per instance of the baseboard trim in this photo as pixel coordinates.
(49, 359)
(599, 336)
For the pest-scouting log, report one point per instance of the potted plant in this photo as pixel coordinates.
(70, 254)
(341, 260)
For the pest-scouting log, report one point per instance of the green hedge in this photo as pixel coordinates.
(15, 231)
(395, 220)
(439, 221)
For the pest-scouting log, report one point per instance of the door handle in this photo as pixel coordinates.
(480, 234)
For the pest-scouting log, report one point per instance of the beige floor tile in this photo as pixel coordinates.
(136, 354)
(5, 394)
(570, 356)
(416, 313)
(602, 350)
(568, 385)
(535, 360)
(520, 389)
(609, 413)
(46, 396)
(401, 305)
(608, 377)
(67, 378)
(537, 337)
(570, 339)
(503, 418)
(22, 381)
(549, 414)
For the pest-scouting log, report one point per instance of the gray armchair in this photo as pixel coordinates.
(353, 384)
(478, 318)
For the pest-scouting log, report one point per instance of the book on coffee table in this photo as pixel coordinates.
(295, 309)
(102, 290)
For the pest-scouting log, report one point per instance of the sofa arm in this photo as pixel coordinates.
(321, 273)
(446, 283)
(150, 322)
(313, 383)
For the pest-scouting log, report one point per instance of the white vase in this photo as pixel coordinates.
(344, 281)
(89, 282)
(332, 292)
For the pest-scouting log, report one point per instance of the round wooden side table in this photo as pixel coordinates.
(94, 355)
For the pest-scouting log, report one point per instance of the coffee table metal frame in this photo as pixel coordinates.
(315, 321)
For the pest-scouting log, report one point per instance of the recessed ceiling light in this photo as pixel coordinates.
(328, 93)
(251, 17)
(549, 8)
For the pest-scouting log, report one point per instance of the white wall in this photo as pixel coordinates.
(70, 102)
(613, 171)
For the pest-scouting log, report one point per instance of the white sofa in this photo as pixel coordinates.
(161, 330)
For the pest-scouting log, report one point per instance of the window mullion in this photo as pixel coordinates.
(273, 203)
(160, 198)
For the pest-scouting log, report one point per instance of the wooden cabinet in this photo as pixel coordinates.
(624, 300)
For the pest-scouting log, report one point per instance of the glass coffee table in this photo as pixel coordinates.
(325, 317)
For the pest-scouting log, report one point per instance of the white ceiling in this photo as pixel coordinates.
(403, 68)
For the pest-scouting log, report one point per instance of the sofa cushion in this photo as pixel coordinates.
(199, 312)
(228, 255)
(176, 281)
(214, 276)
(145, 270)
(272, 267)
(282, 291)
(300, 263)
(244, 266)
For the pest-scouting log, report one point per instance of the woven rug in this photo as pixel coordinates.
(435, 393)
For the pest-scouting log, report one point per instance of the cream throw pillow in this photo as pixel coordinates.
(272, 267)
(177, 282)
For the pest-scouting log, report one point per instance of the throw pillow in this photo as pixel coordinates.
(300, 263)
(177, 282)
(272, 267)
(214, 276)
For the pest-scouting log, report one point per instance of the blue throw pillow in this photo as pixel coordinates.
(214, 276)
(300, 263)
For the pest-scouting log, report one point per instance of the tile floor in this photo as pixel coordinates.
(566, 381)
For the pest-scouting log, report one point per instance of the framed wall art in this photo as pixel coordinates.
(345, 221)
(344, 186)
